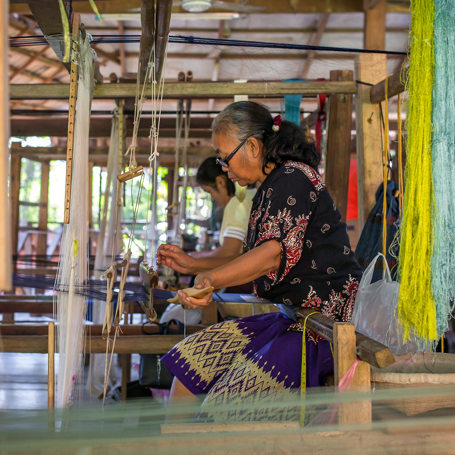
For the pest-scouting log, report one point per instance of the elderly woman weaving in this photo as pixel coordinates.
(296, 251)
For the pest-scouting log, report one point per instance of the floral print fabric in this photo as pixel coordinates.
(318, 269)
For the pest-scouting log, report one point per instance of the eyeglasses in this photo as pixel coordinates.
(224, 163)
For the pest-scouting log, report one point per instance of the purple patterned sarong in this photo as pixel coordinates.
(253, 358)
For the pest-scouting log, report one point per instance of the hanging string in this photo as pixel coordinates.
(157, 90)
(138, 105)
(23, 41)
(400, 159)
(73, 264)
(303, 369)
(385, 173)
(184, 165)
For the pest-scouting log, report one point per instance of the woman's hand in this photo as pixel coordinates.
(203, 280)
(175, 258)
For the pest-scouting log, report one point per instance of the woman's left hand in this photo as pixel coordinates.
(203, 280)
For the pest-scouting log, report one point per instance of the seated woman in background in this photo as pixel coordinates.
(297, 252)
(237, 202)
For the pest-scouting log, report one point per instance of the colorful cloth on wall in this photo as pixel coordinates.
(241, 361)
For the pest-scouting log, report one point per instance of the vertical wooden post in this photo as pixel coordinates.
(339, 144)
(14, 188)
(43, 210)
(374, 25)
(71, 117)
(50, 366)
(6, 282)
(369, 68)
(344, 351)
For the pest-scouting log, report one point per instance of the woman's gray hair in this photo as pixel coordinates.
(241, 122)
(248, 119)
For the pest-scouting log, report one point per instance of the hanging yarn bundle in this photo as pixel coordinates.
(73, 265)
(443, 158)
(416, 307)
(292, 105)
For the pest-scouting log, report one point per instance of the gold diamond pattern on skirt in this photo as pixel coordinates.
(210, 352)
(245, 382)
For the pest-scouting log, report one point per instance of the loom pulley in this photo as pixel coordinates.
(149, 278)
(133, 172)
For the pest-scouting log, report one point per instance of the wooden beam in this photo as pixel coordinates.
(146, 44)
(111, 56)
(272, 6)
(146, 344)
(368, 350)
(316, 41)
(5, 213)
(344, 353)
(99, 126)
(375, 25)
(58, 71)
(369, 4)
(339, 144)
(43, 59)
(190, 89)
(163, 23)
(396, 85)
(369, 68)
(49, 20)
(28, 62)
(29, 74)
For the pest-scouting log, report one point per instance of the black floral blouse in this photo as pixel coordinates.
(318, 269)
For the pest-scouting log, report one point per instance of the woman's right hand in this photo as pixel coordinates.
(175, 258)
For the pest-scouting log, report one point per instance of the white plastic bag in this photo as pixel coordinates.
(376, 310)
(176, 311)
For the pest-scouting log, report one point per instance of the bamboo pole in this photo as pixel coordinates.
(5, 215)
(71, 117)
